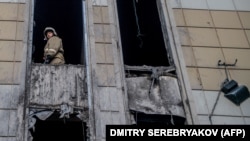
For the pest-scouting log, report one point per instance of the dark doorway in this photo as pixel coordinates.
(66, 16)
(141, 33)
(59, 129)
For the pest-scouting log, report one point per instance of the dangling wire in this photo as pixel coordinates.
(172, 118)
(137, 23)
(83, 128)
(136, 117)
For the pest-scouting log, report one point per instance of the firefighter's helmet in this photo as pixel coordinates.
(49, 29)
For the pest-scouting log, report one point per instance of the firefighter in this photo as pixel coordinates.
(53, 50)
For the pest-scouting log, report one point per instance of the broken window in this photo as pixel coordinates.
(141, 33)
(66, 16)
(145, 52)
(152, 84)
(52, 125)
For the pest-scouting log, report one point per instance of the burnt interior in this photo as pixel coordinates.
(59, 129)
(141, 33)
(157, 119)
(66, 17)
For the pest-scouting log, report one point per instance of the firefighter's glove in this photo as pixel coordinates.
(48, 57)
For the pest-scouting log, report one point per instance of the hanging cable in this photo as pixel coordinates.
(223, 83)
(216, 101)
(136, 122)
(172, 118)
(139, 35)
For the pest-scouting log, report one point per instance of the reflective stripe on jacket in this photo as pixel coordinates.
(54, 48)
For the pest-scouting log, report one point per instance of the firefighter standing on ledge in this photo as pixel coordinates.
(53, 50)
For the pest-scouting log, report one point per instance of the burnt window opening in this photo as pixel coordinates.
(66, 16)
(141, 33)
(61, 129)
(157, 119)
(147, 61)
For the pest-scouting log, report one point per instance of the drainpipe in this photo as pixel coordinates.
(88, 71)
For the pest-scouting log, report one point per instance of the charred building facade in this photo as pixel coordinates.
(143, 62)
